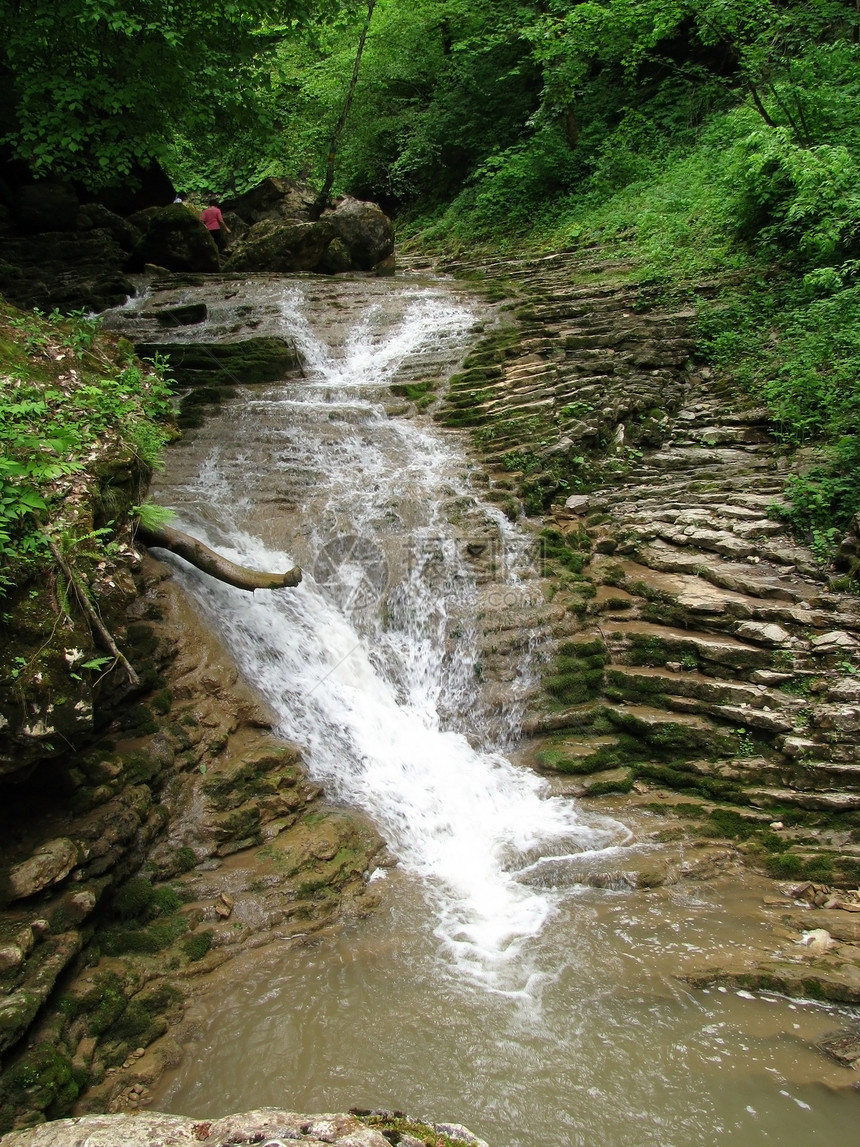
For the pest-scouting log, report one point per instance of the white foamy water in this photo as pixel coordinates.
(370, 663)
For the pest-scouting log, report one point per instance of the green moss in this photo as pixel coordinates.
(165, 901)
(139, 718)
(678, 778)
(102, 1006)
(43, 1079)
(161, 702)
(790, 866)
(134, 898)
(263, 359)
(185, 858)
(619, 785)
(197, 945)
(576, 674)
(143, 941)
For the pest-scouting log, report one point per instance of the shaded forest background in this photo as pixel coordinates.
(707, 139)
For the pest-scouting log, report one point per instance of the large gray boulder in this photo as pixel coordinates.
(95, 216)
(355, 236)
(365, 230)
(277, 199)
(173, 237)
(283, 247)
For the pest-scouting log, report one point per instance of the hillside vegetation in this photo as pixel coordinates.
(712, 141)
(715, 140)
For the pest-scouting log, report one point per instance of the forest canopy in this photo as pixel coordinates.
(95, 87)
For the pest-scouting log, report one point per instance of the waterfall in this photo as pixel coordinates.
(371, 663)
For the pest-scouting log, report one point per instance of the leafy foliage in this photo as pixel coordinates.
(60, 396)
(99, 86)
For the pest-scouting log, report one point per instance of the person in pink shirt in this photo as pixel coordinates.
(214, 223)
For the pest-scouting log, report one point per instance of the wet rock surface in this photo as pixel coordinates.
(241, 850)
(267, 1126)
(700, 656)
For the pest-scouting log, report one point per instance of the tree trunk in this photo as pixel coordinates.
(321, 201)
(213, 564)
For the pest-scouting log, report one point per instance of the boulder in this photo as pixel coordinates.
(366, 231)
(50, 863)
(282, 247)
(278, 199)
(95, 216)
(577, 503)
(173, 237)
(63, 269)
(337, 258)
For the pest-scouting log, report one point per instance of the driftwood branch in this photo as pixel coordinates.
(214, 564)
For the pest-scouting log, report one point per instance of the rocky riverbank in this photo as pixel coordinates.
(700, 679)
(370, 1129)
(704, 661)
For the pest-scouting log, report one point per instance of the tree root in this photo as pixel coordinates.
(214, 564)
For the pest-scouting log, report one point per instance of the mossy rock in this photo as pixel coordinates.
(43, 1079)
(262, 359)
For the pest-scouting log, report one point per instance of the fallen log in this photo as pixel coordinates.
(212, 563)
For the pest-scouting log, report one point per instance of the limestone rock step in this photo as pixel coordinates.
(814, 801)
(756, 580)
(644, 643)
(826, 775)
(641, 681)
(712, 605)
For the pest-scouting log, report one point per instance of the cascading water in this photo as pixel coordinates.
(360, 661)
(490, 987)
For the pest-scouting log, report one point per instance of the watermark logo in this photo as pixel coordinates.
(353, 571)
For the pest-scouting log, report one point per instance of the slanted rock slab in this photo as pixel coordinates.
(154, 1129)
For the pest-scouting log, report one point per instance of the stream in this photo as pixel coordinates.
(492, 987)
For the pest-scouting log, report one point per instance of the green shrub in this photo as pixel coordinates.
(198, 944)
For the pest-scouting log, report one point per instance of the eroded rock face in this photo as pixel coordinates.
(355, 236)
(278, 199)
(282, 247)
(254, 1127)
(50, 863)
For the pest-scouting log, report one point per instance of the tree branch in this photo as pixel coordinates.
(214, 564)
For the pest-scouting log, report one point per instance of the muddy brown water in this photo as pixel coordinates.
(493, 987)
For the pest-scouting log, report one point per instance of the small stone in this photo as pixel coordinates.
(577, 503)
(843, 1046)
(11, 957)
(776, 825)
(138, 1052)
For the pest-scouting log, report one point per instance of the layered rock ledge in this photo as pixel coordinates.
(268, 1126)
